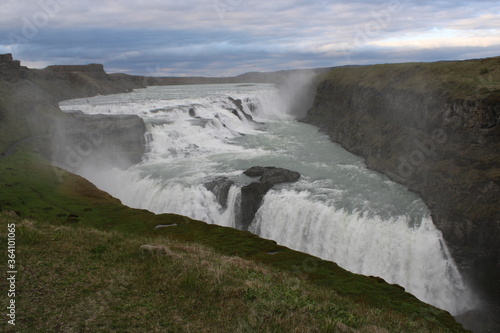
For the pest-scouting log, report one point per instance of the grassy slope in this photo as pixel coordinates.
(80, 269)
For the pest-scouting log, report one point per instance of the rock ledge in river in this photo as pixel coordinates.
(252, 194)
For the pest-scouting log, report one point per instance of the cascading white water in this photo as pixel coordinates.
(368, 245)
(339, 210)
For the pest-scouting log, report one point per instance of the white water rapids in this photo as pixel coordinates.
(339, 210)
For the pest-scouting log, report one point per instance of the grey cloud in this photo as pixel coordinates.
(203, 36)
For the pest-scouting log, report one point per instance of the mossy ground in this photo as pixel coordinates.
(80, 270)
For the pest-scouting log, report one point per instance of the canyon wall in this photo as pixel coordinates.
(434, 128)
(30, 114)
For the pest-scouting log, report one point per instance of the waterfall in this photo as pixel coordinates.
(415, 256)
(339, 210)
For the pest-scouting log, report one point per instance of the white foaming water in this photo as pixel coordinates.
(368, 245)
(339, 210)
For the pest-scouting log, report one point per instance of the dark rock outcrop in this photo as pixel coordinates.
(252, 194)
(116, 140)
(94, 70)
(272, 175)
(30, 114)
(235, 112)
(10, 69)
(6, 58)
(239, 104)
(220, 187)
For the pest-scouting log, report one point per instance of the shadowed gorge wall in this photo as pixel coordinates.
(29, 108)
(434, 128)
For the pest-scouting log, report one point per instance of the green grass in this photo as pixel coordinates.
(81, 270)
(80, 279)
(458, 79)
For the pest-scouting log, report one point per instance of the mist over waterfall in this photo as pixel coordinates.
(338, 210)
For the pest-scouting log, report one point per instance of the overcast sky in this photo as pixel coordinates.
(229, 37)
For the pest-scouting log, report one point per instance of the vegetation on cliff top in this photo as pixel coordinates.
(457, 79)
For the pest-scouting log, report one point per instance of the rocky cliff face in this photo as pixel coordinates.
(29, 114)
(434, 128)
(10, 69)
(83, 140)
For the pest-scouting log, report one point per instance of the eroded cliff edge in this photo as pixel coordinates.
(434, 127)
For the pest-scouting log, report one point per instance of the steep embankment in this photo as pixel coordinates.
(434, 127)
